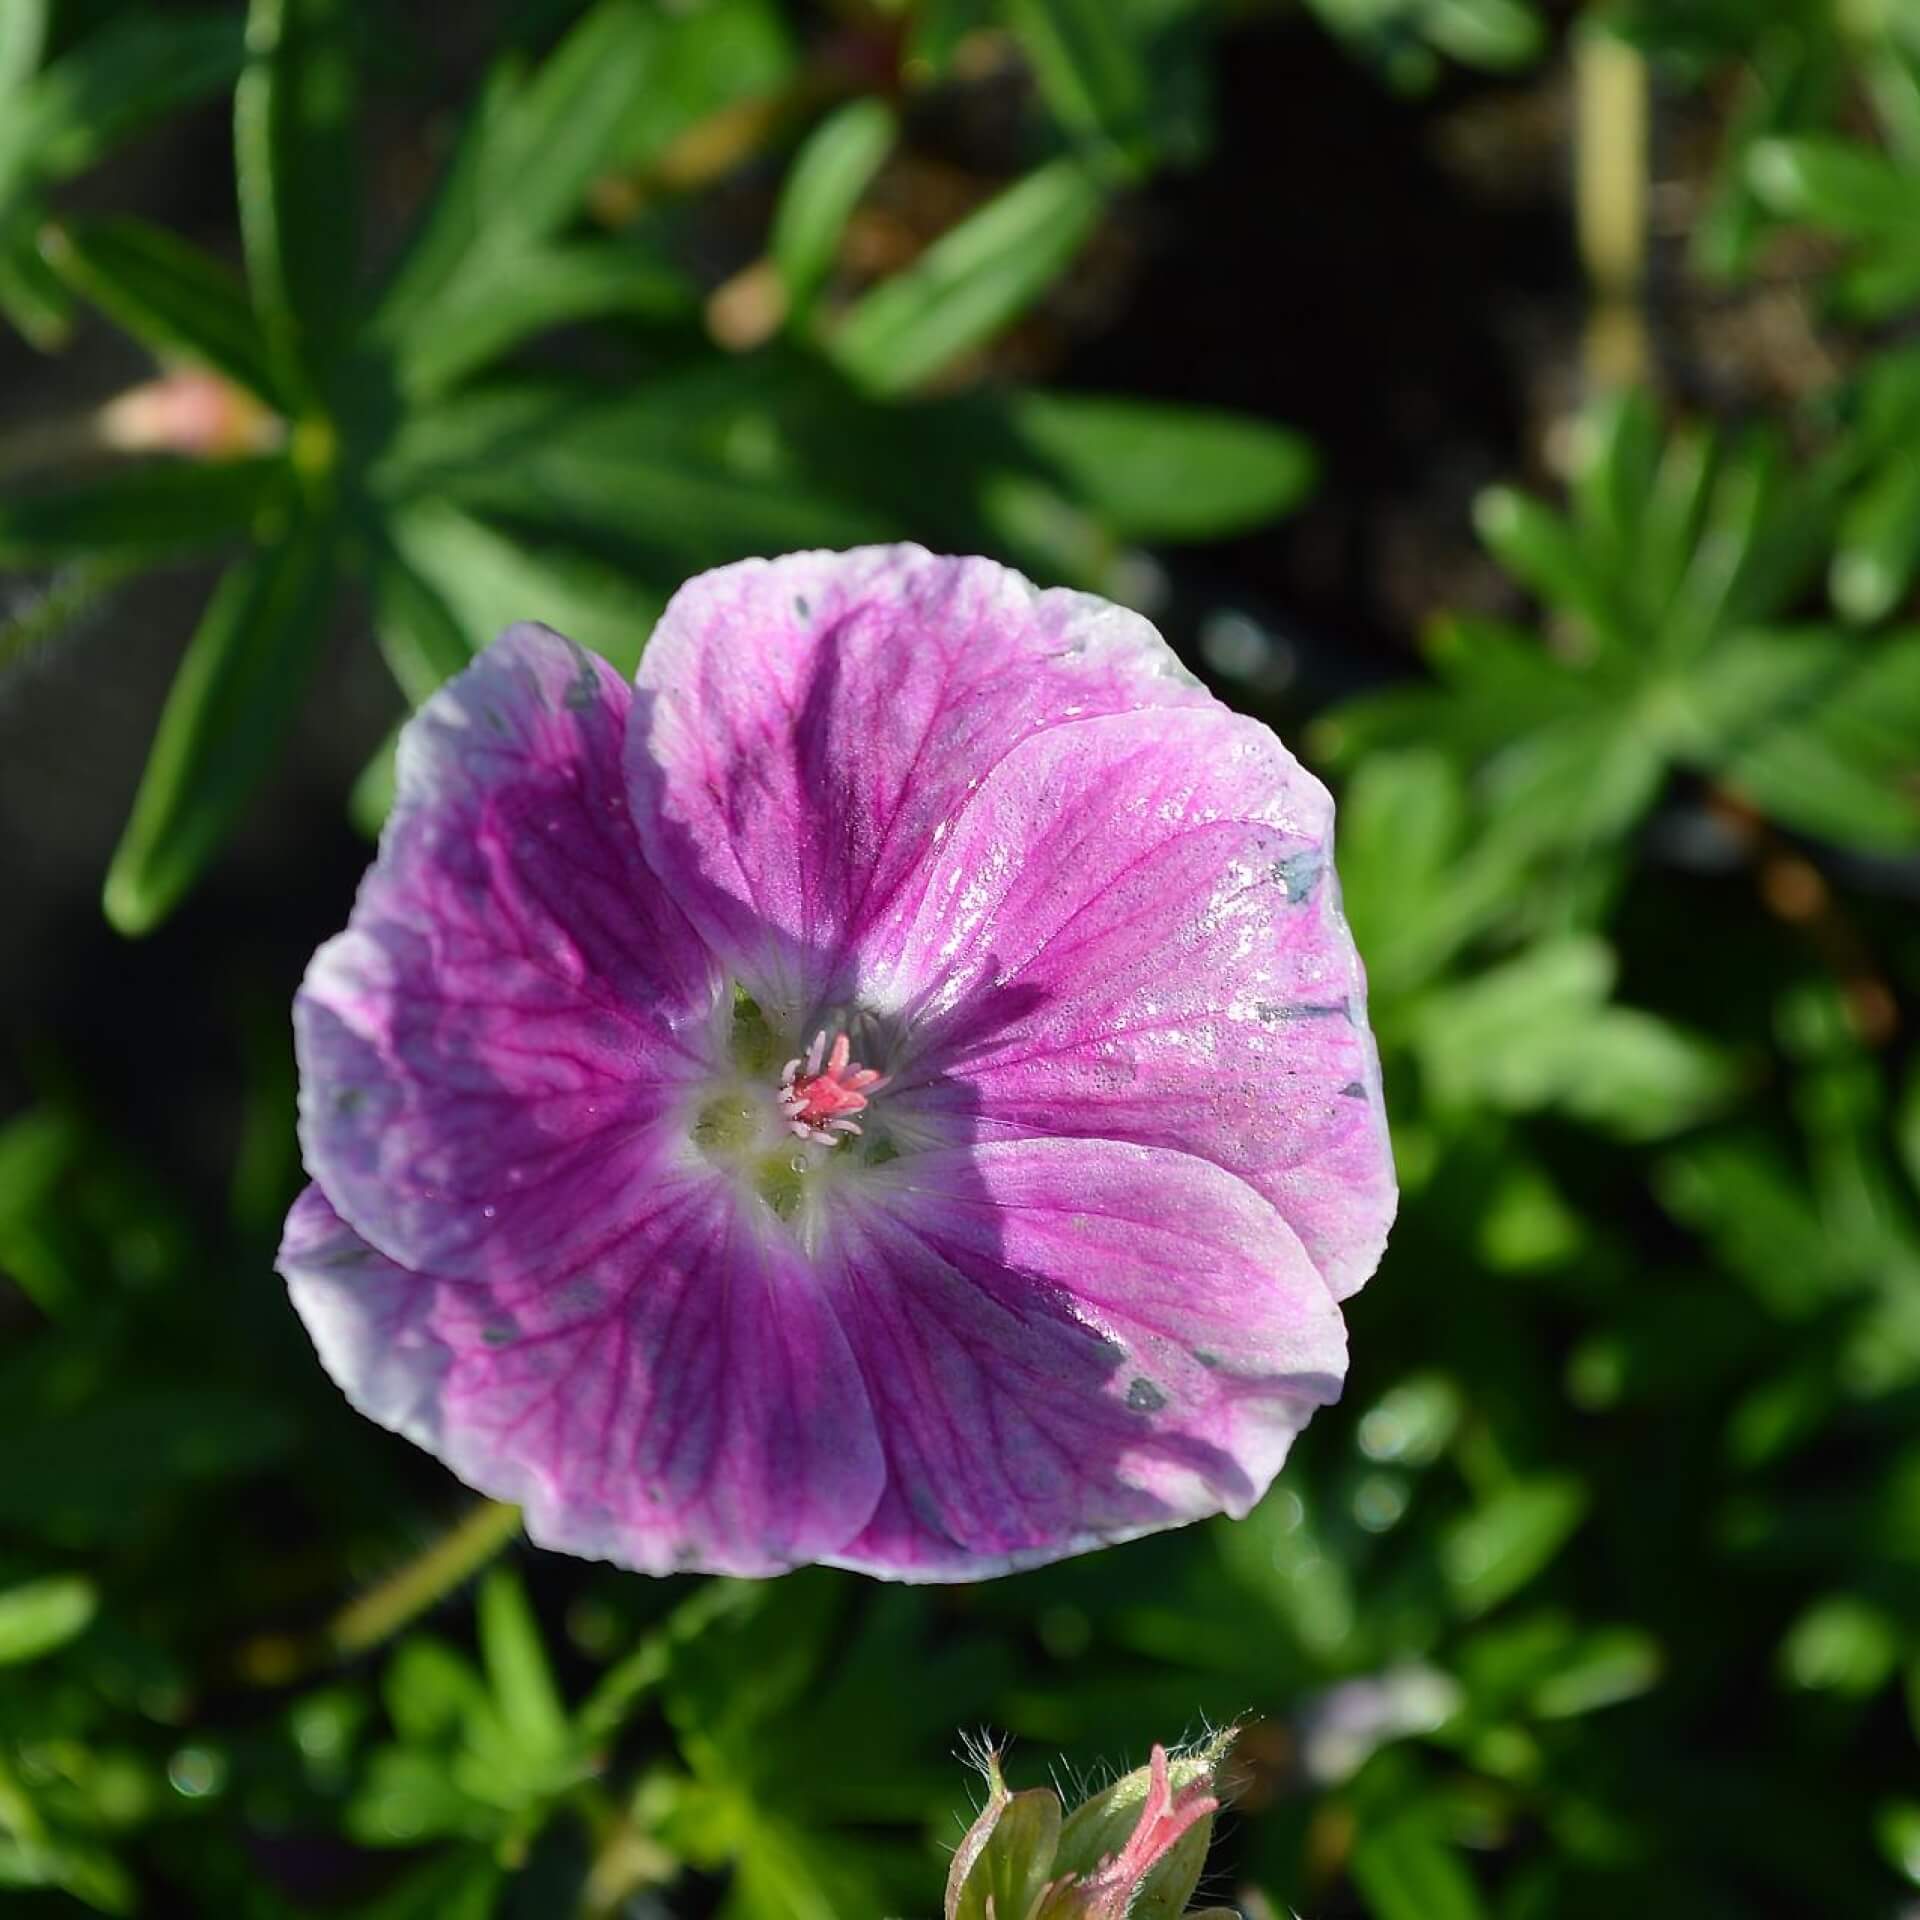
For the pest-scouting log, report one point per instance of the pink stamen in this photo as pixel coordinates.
(819, 1103)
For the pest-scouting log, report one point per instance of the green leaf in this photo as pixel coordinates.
(1765, 1231)
(1489, 1039)
(1640, 1076)
(490, 579)
(422, 641)
(169, 295)
(1842, 1644)
(1154, 472)
(1405, 1869)
(785, 1872)
(935, 33)
(152, 511)
(36, 1147)
(570, 124)
(1879, 542)
(89, 1874)
(436, 446)
(1501, 35)
(132, 71)
(1012, 1869)
(823, 187)
(518, 1675)
(713, 56)
(1790, 82)
(1091, 70)
(298, 179)
(407, 1796)
(31, 295)
(1498, 1548)
(370, 798)
(1416, 888)
(669, 485)
(1578, 783)
(1897, 1827)
(1537, 1031)
(639, 1673)
(430, 1691)
(1883, 405)
(23, 37)
(1883, 282)
(505, 298)
(1837, 184)
(448, 230)
(1541, 550)
(973, 281)
(1820, 729)
(1906, 1126)
(44, 1614)
(1404, 36)
(1675, 508)
(630, 78)
(232, 698)
(1600, 1669)
(1619, 449)
(1765, 534)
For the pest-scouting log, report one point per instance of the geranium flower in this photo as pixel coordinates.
(890, 1089)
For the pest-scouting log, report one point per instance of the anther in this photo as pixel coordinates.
(820, 1102)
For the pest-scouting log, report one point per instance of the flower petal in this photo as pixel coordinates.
(1068, 1342)
(690, 1402)
(488, 1052)
(1134, 933)
(808, 726)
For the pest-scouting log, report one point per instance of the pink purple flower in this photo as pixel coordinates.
(891, 1088)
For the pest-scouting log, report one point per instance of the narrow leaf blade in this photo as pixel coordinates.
(833, 170)
(41, 1615)
(971, 282)
(1154, 472)
(169, 295)
(231, 701)
(297, 174)
(148, 512)
(1091, 71)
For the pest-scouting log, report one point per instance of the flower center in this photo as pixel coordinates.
(820, 1094)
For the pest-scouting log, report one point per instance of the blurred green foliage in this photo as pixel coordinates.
(1600, 1594)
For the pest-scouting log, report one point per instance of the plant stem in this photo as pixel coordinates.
(280, 1659)
(428, 1578)
(1610, 193)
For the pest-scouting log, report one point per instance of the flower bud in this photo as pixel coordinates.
(1003, 1865)
(193, 413)
(1133, 1852)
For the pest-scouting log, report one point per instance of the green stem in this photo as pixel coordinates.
(630, 1679)
(424, 1581)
